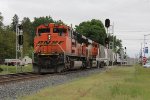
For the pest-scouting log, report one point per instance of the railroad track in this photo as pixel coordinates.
(11, 78)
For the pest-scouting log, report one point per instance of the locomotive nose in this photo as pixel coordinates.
(45, 37)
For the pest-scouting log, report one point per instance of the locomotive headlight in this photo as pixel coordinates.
(49, 37)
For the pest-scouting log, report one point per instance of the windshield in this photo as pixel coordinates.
(59, 30)
(43, 30)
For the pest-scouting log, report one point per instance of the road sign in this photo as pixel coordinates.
(146, 50)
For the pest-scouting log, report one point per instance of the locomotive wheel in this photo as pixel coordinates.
(55, 69)
(91, 64)
(84, 66)
(39, 69)
(39, 66)
(59, 69)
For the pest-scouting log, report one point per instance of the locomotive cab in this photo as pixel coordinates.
(50, 47)
(60, 31)
(50, 39)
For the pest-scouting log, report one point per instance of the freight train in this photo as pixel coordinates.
(59, 48)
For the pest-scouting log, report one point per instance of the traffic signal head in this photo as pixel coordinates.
(107, 23)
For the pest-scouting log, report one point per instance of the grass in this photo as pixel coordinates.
(12, 69)
(119, 83)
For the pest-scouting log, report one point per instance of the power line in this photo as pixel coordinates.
(133, 39)
(130, 31)
(128, 34)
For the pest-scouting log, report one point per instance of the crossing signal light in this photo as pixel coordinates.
(20, 39)
(107, 23)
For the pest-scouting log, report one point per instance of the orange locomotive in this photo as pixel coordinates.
(58, 48)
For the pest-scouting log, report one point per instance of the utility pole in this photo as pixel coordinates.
(141, 55)
(144, 44)
(113, 42)
(16, 46)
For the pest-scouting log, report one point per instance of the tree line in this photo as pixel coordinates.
(93, 29)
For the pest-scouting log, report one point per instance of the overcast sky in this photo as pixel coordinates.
(131, 17)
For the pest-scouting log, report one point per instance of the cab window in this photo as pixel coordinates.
(43, 30)
(60, 31)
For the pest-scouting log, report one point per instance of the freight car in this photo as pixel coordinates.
(59, 48)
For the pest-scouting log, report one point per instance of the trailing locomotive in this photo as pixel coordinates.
(58, 48)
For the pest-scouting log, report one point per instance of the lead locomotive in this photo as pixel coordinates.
(58, 48)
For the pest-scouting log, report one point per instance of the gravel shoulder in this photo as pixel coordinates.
(14, 90)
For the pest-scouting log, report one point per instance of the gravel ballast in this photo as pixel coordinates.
(14, 90)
